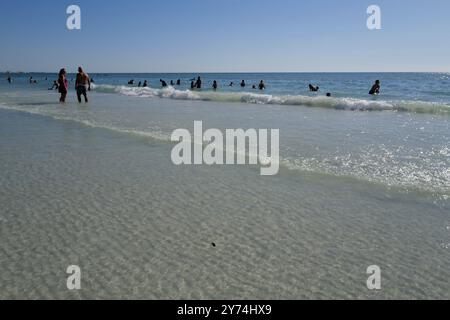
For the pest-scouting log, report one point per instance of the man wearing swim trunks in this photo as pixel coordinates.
(82, 85)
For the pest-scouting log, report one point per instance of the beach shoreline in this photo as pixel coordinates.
(142, 228)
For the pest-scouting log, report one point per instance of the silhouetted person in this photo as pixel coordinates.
(139, 84)
(375, 88)
(313, 89)
(253, 87)
(179, 82)
(9, 79)
(198, 84)
(231, 84)
(328, 94)
(261, 86)
(172, 83)
(54, 86)
(63, 85)
(163, 83)
(82, 85)
(192, 85)
(32, 81)
(92, 80)
(242, 84)
(131, 82)
(214, 85)
(145, 84)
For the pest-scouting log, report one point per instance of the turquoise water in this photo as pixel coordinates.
(94, 185)
(403, 142)
(425, 92)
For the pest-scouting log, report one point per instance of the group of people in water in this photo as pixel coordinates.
(83, 84)
(261, 85)
(196, 83)
(375, 90)
(131, 82)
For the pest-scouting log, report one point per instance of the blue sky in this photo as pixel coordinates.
(225, 36)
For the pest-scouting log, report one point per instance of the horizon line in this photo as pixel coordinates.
(228, 72)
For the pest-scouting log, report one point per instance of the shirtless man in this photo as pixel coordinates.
(375, 88)
(82, 84)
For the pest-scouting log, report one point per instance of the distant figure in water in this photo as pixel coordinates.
(262, 86)
(145, 84)
(92, 80)
(63, 85)
(9, 79)
(163, 83)
(375, 88)
(131, 82)
(179, 82)
(192, 85)
(54, 86)
(172, 83)
(313, 89)
(253, 87)
(82, 85)
(242, 84)
(328, 94)
(32, 81)
(139, 84)
(231, 84)
(198, 84)
(214, 85)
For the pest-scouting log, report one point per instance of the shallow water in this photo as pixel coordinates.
(93, 185)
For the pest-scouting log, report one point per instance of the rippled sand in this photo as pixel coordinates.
(142, 228)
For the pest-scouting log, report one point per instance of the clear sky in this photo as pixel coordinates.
(225, 36)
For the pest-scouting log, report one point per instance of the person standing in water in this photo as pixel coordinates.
(215, 85)
(262, 86)
(179, 82)
(242, 84)
(9, 79)
(82, 85)
(145, 84)
(63, 85)
(198, 84)
(54, 86)
(163, 83)
(375, 88)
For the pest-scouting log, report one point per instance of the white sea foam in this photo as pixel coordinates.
(352, 104)
(373, 163)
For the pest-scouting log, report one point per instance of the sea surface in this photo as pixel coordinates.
(363, 181)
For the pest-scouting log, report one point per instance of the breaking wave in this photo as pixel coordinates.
(292, 100)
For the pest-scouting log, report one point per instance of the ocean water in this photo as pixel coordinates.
(363, 181)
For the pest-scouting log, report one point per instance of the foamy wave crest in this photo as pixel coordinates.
(267, 99)
(147, 92)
